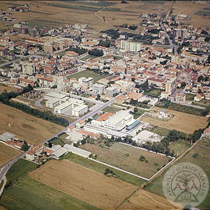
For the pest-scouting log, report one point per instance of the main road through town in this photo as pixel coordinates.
(98, 108)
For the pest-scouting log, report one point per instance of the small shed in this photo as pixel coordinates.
(163, 114)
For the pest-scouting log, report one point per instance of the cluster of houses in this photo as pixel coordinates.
(55, 151)
(10, 140)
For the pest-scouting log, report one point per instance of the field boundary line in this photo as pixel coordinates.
(119, 169)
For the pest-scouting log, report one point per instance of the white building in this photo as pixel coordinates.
(60, 109)
(77, 151)
(79, 110)
(52, 103)
(98, 88)
(119, 120)
(28, 68)
(126, 45)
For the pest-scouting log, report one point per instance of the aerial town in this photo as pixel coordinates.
(94, 119)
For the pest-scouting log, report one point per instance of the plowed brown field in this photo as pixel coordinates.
(83, 183)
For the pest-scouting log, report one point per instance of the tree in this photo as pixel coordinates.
(25, 146)
(142, 158)
(135, 109)
(173, 135)
(96, 52)
(98, 97)
(183, 84)
(50, 144)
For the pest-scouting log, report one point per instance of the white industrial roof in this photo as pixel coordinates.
(59, 152)
(56, 95)
(77, 151)
(61, 106)
(80, 107)
(6, 136)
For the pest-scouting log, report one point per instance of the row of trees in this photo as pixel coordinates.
(96, 52)
(46, 115)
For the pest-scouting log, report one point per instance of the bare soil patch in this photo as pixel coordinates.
(183, 122)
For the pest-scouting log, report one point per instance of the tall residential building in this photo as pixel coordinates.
(48, 47)
(171, 86)
(130, 46)
(98, 88)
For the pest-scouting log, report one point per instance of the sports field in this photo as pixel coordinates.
(87, 73)
(26, 127)
(83, 183)
(127, 158)
(7, 153)
(183, 122)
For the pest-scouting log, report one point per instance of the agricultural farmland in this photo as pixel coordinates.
(26, 127)
(83, 183)
(28, 194)
(197, 156)
(7, 153)
(127, 158)
(183, 122)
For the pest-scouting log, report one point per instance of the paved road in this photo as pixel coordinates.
(85, 117)
(170, 41)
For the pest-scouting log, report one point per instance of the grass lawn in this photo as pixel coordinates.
(87, 57)
(127, 158)
(57, 141)
(160, 131)
(190, 97)
(112, 109)
(202, 160)
(183, 108)
(18, 169)
(153, 92)
(87, 73)
(28, 194)
(7, 153)
(179, 147)
(101, 168)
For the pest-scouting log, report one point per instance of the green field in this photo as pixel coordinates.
(153, 92)
(101, 168)
(87, 57)
(87, 73)
(203, 12)
(127, 158)
(160, 131)
(182, 108)
(190, 97)
(202, 160)
(29, 194)
(18, 169)
(179, 147)
(112, 109)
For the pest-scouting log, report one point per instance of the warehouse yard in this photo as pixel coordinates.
(83, 183)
